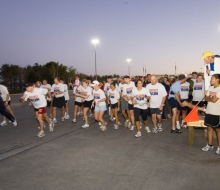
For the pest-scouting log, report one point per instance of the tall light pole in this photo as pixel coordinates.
(95, 42)
(128, 60)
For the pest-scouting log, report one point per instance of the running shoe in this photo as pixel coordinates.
(132, 127)
(100, 123)
(51, 127)
(160, 128)
(176, 131)
(74, 121)
(3, 123)
(15, 123)
(103, 128)
(9, 121)
(63, 119)
(119, 123)
(169, 116)
(78, 114)
(129, 125)
(41, 134)
(85, 126)
(147, 129)
(155, 130)
(208, 148)
(111, 119)
(217, 151)
(54, 120)
(116, 126)
(138, 134)
(126, 123)
(67, 117)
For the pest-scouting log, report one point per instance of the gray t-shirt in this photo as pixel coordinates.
(213, 108)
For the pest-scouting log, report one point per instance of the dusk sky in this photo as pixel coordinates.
(153, 33)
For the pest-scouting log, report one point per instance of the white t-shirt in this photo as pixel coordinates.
(107, 86)
(4, 92)
(184, 92)
(213, 108)
(141, 98)
(78, 90)
(121, 87)
(127, 90)
(66, 92)
(114, 96)
(198, 91)
(37, 97)
(157, 93)
(87, 92)
(47, 86)
(98, 95)
(58, 88)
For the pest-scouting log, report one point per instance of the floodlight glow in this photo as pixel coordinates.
(95, 41)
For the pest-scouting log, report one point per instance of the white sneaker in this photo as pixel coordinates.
(100, 123)
(207, 148)
(169, 116)
(126, 123)
(129, 125)
(3, 123)
(147, 129)
(178, 127)
(132, 127)
(184, 126)
(41, 134)
(9, 121)
(155, 130)
(78, 114)
(217, 151)
(15, 123)
(51, 127)
(119, 123)
(63, 119)
(74, 120)
(116, 126)
(138, 134)
(103, 128)
(85, 126)
(67, 117)
(54, 120)
(160, 128)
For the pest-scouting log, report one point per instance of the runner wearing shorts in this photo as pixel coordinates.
(49, 99)
(67, 97)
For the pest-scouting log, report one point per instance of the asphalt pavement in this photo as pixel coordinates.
(75, 158)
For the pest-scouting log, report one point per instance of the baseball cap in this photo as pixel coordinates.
(109, 77)
(28, 84)
(95, 82)
(126, 77)
(206, 54)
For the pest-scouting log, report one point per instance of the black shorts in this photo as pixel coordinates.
(48, 103)
(130, 106)
(212, 121)
(138, 112)
(173, 103)
(87, 104)
(59, 102)
(156, 111)
(201, 104)
(113, 106)
(9, 102)
(78, 104)
(185, 108)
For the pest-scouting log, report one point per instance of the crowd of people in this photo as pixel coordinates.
(136, 98)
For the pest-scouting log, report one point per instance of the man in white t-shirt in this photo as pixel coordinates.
(38, 100)
(67, 97)
(127, 94)
(48, 87)
(7, 102)
(57, 91)
(198, 91)
(157, 100)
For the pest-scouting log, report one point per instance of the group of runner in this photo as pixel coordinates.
(137, 100)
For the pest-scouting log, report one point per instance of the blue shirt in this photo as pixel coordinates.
(175, 88)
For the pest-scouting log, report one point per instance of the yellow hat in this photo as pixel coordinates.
(206, 54)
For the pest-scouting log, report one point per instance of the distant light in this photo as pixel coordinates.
(128, 60)
(95, 41)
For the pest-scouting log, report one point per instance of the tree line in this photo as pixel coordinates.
(15, 76)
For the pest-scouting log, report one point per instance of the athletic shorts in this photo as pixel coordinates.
(48, 103)
(173, 103)
(42, 110)
(130, 107)
(9, 102)
(138, 112)
(124, 104)
(59, 102)
(156, 111)
(201, 104)
(87, 104)
(113, 106)
(80, 104)
(185, 108)
(100, 108)
(212, 121)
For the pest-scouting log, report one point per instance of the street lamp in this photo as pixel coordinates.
(95, 42)
(128, 60)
